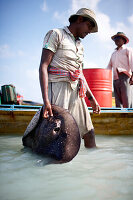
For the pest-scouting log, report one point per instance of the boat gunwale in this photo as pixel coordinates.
(18, 118)
(5, 107)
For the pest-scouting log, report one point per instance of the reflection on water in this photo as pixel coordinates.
(100, 174)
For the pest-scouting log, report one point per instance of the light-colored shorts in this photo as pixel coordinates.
(61, 94)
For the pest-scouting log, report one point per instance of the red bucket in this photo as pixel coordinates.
(100, 83)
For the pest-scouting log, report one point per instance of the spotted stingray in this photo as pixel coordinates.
(57, 137)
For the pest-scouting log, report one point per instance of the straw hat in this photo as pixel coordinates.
(84, 12)
(121, 34)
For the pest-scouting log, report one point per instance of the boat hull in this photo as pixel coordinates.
(113, 123)
(110, 122)
(15, 122)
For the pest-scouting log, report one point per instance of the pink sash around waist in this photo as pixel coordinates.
(72, 75)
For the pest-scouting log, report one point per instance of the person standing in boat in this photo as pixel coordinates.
(121, 62)
(61, 78)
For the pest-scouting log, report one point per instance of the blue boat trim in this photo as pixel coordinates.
(35, 108)
(114, 110)
(19, 107)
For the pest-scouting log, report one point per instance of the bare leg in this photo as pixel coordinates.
(89, 139)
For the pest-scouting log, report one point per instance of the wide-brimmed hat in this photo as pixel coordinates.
(85, 12)
(120, 34)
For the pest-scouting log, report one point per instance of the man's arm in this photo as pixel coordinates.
(130, 57)
(109, 66)
(95, 106)
(46, 59)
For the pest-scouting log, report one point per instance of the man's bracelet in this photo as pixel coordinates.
(90, 98)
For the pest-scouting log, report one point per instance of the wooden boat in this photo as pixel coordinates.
(112, 121)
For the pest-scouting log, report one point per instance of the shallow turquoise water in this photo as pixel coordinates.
(99, 174)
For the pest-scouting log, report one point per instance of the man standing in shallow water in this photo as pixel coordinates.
(121, 62)
(61, 78)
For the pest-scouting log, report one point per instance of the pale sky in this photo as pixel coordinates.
(24, 23)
